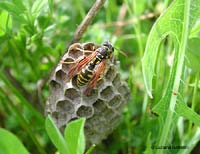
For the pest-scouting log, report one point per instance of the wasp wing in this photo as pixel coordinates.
(80, 64)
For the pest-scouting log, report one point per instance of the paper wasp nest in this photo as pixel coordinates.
(102, 107)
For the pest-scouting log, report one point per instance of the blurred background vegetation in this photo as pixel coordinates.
(34, 34)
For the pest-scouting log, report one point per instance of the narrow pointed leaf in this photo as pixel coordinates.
(5, 22)
(74, 136)
(55, 136)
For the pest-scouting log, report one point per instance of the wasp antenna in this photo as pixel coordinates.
(121, 52)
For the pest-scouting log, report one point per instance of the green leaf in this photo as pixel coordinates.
(193, 54)
(38, 5)
(20, 118)
(10, 144)
(55, 136)
(183, 110)
(175, 22)
(12, 9)
(74, 136)
(5, 22)
(169, 23)
(19, 4)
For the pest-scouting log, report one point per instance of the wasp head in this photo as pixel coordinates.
(109, 46)
(106, 50)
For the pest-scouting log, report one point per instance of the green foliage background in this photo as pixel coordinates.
(34, 34)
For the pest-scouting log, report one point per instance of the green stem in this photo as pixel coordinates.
(129, 129)
(137, 29)
(90, 149)
(181, 55)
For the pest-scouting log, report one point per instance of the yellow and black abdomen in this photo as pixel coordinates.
(85, 75)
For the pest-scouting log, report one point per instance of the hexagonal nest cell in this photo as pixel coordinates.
(102, 107)
(67, 64)
(75, 50)
(64, 106)
(72, 94)
(115, 101)
(84, 111)
(107, 93)
(60, 76)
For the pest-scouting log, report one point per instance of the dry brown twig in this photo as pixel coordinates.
(122, 13)
(87, 20)
(121, 23)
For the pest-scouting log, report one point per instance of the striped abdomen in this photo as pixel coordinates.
(85, 75)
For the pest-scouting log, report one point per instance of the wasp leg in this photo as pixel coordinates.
(88, 51)
(99, 78)
(100, 69)
(85, 51)
(80, 64)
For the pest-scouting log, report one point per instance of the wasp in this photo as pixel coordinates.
(90, 68)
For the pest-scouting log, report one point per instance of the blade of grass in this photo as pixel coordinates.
(90, 149)
(21, 98)
(55, 136)
(23, 122)
(137, 25)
